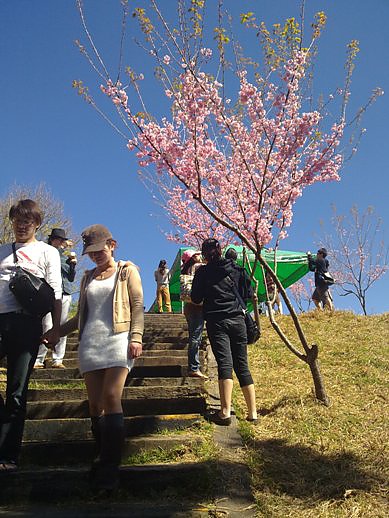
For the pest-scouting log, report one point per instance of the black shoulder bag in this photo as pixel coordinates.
(253, 331)
(33, 293)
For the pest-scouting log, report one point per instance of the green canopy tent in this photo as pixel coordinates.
(291, 266)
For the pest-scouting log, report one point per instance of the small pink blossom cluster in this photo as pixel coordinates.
(118, 95)
(205, 52)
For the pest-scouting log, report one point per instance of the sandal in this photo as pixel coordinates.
(197, 374)
(252, 420)
(7, 466)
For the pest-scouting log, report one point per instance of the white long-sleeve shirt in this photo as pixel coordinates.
(38, 258)
(162, 279)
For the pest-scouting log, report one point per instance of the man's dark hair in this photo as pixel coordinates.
(322, 251)
(27, 209)
(231, 254)
(162, 263)
(211, 249)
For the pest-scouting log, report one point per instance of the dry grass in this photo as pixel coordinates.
(309, 460)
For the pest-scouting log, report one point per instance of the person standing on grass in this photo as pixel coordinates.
(21, 332)
(162, 278)
(58, 240)
(321, 296)
(110, 321)
(272, 291)
(214, 285)
(191, 260)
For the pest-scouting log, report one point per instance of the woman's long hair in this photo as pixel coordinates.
(186, 267)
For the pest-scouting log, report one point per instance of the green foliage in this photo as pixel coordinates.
(144, 21)
(196, 16)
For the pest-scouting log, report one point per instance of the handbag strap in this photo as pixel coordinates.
(237, 294)
(14, 252)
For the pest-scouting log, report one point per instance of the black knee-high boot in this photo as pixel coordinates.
(112, 441)
(96, 426)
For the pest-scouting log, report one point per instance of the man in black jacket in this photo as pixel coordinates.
(321, 296)
(214, 285)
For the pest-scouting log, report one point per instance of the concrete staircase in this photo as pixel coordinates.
(158, 397)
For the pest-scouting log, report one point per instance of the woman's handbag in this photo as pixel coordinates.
(252, 329)
(33, 293)
(328, 278)
(185, 287)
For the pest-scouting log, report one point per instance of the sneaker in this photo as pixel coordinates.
(58, 365)
(38, 365)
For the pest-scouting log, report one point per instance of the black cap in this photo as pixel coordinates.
(58, 233)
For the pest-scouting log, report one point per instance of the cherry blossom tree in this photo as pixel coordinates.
(359, 255)
(237, 147)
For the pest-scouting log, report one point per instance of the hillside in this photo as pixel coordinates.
(308, 460)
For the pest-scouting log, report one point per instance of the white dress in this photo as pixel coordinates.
(99, 347)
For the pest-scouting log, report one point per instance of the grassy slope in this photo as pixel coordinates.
(308, 460)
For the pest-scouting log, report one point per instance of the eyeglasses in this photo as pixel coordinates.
(23, 222)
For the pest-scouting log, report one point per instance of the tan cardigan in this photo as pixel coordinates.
(127, 311)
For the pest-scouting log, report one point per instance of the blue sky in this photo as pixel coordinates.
(48, 134)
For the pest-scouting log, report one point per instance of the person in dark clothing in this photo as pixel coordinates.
(231, 254)
(213, 285)
(321, 295)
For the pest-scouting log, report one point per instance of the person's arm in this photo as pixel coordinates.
(311, 262)
(54, 278)
(69, 326)
(135, 292)
(247, 287)
(72, 324)
(71, 269)
(197, 293)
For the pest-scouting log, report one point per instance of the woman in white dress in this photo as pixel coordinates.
(110, 323)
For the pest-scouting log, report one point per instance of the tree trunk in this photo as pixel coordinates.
(313, 362)
(311, 353)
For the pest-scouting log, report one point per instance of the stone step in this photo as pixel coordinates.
(150, 332)
(130, 382)
(138, 371)
(131, 393)
(71, 484)
(82, 452)
(179, 339)
(138, 407)
(78, 429)
(164, 318)
(178, 344)
(178, 353)
(147, 360)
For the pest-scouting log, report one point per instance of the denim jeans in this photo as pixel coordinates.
(195, 319)
(20, 336)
